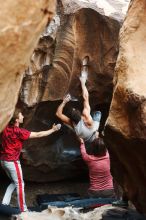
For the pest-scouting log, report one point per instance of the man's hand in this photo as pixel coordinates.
(67, 98)
(81, 141)
(56, 127)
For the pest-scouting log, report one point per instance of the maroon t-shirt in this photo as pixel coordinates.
(12, 141)
(99, 170)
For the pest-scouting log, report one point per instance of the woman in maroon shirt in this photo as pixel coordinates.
(12, 141)
(98, 162)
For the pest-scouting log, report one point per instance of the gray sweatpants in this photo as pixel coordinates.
(14, 172)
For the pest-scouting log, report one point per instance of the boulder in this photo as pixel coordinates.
(125, 130)
(20, 30)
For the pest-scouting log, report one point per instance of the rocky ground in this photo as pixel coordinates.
(68, 213)
(33, 189)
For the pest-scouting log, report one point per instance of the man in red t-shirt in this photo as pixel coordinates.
(12, 142)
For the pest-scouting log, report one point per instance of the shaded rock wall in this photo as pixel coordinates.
(20, 29)
(126, 126)
(55, 157)
(97, 37)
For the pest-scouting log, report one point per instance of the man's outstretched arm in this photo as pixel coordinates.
(45, 133)
(59, 112)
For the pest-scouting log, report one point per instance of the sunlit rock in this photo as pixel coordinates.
(111, 8)
(67, 213)
(126, 126)
(56, 63)
(21, 23)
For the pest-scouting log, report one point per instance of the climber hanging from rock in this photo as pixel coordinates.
(84, 125)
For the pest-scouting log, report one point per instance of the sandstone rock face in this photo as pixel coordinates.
(21, 23)
(51, 80)
(66, 213)
(114, 9)
(126, 126)
(54, 71)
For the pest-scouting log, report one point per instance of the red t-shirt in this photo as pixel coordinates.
(12, 141)
(99, 170)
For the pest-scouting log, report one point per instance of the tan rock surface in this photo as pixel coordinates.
(21, 23)
(84, 33)
(126, 125)
(111, 8)
(67, 213)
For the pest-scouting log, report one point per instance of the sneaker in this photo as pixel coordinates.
(120, 203)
